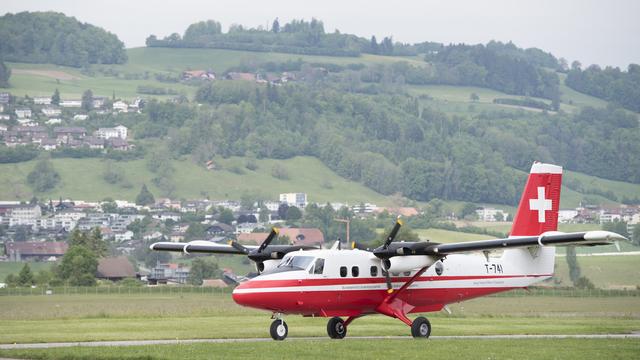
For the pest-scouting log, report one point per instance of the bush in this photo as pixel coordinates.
(279, 172)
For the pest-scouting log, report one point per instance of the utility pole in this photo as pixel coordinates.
(348, 222)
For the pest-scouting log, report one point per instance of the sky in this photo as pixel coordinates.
(590, 31)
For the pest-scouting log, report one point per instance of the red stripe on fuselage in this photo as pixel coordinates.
(350, 303)
(258, 283)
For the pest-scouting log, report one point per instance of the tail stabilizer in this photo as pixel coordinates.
(538, 209)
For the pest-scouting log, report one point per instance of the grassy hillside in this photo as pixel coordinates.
(82, 179)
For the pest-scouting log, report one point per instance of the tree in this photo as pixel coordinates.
(91, 240)
(636, 235)
(195, 231)
(282, 211)
(203, 268)
(25, 277)
(55, 98)
(474, 97)
(226, 216)
(294, 213)
(87, 100)
(78, 266)
(276, 26)
(145, 197)
(468, 211)
(574, 267)
(373, 47)
(264, 214)
(5, 74)
(43, 177)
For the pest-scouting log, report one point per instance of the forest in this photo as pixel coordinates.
(610, 83)
(49, 37)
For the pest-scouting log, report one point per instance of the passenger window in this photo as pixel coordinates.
(343, 271)
(355, 271)
(319, 266)
(374, 271)
(407, 273)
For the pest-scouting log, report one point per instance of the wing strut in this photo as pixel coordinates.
(394, 307)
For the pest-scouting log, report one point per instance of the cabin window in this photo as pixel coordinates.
(343, 271)
(374, 271)
(355, 271)
(319, 266)
(407, 273)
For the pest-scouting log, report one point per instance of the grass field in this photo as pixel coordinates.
(82, 179)
(358, 349)
(11, 267)
(604, 271)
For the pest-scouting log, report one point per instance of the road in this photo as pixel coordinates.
(193, 341)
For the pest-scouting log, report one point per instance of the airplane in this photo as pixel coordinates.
(399, 278)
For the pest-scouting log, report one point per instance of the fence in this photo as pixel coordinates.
(114, 290)
(184, 289)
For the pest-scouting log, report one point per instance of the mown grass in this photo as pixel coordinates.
(604, 271)
(28, 319)
(14, 267)
(358, 349)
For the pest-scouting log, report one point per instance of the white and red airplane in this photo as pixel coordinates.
(399, 278)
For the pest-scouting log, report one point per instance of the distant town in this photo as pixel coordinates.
(38, 230)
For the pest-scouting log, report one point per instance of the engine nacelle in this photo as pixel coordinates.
(267, 265)
(398, 264)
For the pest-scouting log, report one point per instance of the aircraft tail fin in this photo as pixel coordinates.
(538, 209)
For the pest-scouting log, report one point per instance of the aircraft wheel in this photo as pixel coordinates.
(336, 328)
(279, 330)
(421, 328)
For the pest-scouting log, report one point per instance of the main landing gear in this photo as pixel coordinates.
(421, 328)
(336, 328)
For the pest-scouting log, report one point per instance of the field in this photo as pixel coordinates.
(82, 179)
(63, 318)
(10, 267)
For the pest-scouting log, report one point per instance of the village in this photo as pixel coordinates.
(38, 231)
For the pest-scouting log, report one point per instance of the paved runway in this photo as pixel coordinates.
(193, 341)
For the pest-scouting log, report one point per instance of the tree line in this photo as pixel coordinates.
(50, 37)
(610, 83)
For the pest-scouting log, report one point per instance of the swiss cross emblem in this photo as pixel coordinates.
(541, 204)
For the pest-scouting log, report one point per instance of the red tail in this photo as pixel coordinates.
(538, 209)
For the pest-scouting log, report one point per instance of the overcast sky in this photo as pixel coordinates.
(601, 32)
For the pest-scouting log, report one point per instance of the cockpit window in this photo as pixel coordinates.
(299, 262)
(319, 266)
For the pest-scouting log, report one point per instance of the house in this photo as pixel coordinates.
(75, 103)
(364, 208)
(35, 250)
(120, 106)
(491, 214)
(3, 128)
(119, 144)
(167, 216)
(98, 102)
(29, 131)
(42, 100)
(198, 74)
(48, 144)
(219, 229)
(53, 121)
(176, 236)
(115, 268)
(5, 97)
(5, 117)
(23, 113)
(240, 76)
(152, 235)
(169, 273)
(120, 236)
(119, 131)
(303, 236)
(294, 199)
(80, 117)
(51, 111)
(65, 133)
(93, 143)
(245, 228)
(24, 215)
(252, 238)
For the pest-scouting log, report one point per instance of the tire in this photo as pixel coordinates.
(336, 328)
(421, 328)
(279, 330)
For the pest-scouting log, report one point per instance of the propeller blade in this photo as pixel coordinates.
(272, 235)
(239, 247)
(387, 278)
(393, 234)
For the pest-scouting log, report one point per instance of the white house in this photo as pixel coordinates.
(490, 214)
(80, 117)
(294, 199)
(119, 131)
(120, 106)
(23, 113)
(42, 100)
(25, 215)
(123, 236)
(567, 216)
(71, 103)
(51, 111)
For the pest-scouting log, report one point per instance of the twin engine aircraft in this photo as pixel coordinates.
(400, 278)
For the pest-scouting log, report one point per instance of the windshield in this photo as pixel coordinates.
(300, 262)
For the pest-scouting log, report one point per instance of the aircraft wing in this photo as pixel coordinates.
(199, 246)
(587, 238)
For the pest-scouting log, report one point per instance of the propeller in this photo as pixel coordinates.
(387, 242)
